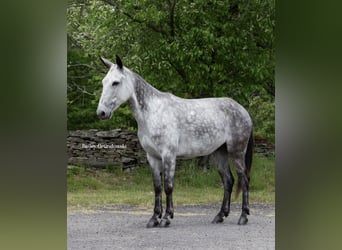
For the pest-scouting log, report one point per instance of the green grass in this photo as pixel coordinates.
(90, 187)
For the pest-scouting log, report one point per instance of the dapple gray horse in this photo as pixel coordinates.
(171, 127)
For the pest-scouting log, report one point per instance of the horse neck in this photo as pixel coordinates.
(139, 101)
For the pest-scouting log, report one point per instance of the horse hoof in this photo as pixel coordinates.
(165, 223)
(152, 223)
(243, 220)
(217, 219)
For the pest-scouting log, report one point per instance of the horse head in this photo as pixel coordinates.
(117, 88)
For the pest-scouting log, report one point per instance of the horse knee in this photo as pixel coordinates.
(168, 184)
(168, 188)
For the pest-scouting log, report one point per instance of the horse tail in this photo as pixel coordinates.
(248, 162)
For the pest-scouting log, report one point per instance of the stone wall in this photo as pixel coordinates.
(121, 148)
(117, 148)
(263, 147)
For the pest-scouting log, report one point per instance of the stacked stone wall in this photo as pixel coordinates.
(121, 148)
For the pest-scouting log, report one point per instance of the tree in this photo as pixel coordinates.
(198, 48)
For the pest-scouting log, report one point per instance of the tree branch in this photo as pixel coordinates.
(180, 71)
(82, 65)
(82, 90)
(172, 6)
(154, 27)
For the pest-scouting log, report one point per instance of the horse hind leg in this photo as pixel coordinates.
(242, 172)
(221, 156)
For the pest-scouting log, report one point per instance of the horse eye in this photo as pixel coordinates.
(115, 83)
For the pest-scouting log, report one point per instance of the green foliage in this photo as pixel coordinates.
(262, 111)
(263, 174)
(189, 175)
(199, 48)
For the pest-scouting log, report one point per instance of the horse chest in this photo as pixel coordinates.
(151, 143)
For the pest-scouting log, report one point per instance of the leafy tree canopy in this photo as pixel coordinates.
(198, 48)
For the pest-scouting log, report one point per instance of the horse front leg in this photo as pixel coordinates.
(169, 168)
(156, 166)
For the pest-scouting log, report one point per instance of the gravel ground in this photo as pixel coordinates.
(124, 227)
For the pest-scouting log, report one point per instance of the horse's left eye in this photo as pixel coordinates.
(115, 83)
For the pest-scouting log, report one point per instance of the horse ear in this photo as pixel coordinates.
(106, 62)
(119, 62)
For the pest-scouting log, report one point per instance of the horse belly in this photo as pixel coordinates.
(193, 146)
(201, 131)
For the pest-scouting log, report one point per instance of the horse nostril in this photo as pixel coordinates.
(101, 114)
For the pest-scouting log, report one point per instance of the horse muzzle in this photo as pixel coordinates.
(103, 115)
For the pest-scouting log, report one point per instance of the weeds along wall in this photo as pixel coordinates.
(121, 148)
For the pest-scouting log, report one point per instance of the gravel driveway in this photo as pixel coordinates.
(124, 227)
